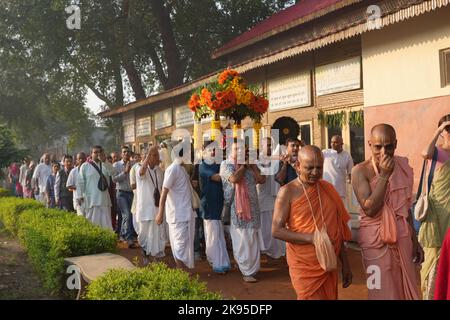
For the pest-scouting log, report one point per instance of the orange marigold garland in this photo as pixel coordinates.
(231, 97)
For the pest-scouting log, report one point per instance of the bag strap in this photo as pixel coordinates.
(433, 167)
(324, 226)
(97, 168)
(422, 179)
(156, 177)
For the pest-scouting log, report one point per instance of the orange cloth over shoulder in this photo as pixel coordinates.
(310, 281)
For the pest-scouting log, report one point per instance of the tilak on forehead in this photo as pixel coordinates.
(311, 152)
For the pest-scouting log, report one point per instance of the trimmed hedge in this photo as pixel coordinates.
(155, 282)
(50, 235)
(4, 193)
(11, 208)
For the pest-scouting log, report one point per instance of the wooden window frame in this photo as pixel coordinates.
(445, 78)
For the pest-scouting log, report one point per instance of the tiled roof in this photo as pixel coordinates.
(299, 13)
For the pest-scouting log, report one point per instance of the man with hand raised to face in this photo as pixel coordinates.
(311, 217)
(383, 186)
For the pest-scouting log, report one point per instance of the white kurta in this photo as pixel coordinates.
(151, 236)
(216, 247)
(179, 197)
(72, 183)
(272, 247)
(336, 167)
(40, 176)
(97, 203)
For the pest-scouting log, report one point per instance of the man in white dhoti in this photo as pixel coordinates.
(149, 180)
(93, 190)
(239, 184)
(267, 194)
(39, 181)
(72, 184)
(211, 210)
(176, 204)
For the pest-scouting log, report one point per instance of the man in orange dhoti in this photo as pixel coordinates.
(383, 186)
(303, 208)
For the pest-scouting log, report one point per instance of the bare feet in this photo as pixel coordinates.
(249, 279)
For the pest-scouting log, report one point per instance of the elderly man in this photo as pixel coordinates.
(39, 181)
(151, 236)
(71, 183)
(287, 171)
(383, 186)
(92, 190)
(307, 212)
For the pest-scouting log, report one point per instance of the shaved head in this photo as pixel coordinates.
(385, 130)
(336, 143)
(310, 164)
(310, 152)
(383, 141)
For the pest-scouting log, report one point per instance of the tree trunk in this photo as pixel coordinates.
(175, 69)
(127, 61)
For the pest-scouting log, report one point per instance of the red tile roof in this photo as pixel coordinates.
(303, 11)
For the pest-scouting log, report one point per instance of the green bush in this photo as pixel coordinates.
(4, 193)
(50, 235)
(155, 282)
(11, 208)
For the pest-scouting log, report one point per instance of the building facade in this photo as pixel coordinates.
(335, 67)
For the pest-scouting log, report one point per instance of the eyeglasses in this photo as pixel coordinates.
(96, 152)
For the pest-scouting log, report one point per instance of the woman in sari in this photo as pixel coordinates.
(437, 221)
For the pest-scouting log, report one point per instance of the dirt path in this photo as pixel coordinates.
(18, 281)
(274, 282)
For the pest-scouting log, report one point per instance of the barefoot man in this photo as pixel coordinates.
(383, 185)
(303, 208)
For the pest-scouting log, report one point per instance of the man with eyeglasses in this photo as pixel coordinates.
(121, 178)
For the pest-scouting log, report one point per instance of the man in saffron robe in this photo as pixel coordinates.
(302, 207)
(383, 186)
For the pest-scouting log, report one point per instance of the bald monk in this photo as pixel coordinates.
(383, 186)
(302, 207)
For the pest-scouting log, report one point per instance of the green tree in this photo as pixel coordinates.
(125, 50)
(10, 152)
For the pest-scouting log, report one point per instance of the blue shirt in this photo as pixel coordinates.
(51, 186)
(291, 174)
(211, 192)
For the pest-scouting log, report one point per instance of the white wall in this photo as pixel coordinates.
(401, 61)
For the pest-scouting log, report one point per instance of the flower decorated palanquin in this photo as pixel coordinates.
(231, 97)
